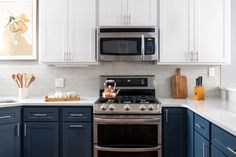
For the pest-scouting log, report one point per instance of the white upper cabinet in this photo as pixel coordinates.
(52, 30)
(67, 31)
(81, 30)
(175, 30)
(112, 12)
(127, 12)
(195, 31)
(142, 12)
(212, 30)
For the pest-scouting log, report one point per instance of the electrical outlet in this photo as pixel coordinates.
(211, 72)
(59, 82)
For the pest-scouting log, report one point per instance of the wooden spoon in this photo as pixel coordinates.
(19, 77)
(28, 80)
(25, 79)
(31, 80)
(14, 77)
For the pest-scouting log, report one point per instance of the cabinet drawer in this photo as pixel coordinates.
(224, 141)
(216, 153)
(77, 114)
(41, 114)
(202, 126)
(8, 115)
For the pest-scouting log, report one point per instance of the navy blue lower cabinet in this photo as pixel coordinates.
(224, 141)
(174, 132)
(190, 133)
(77, 140)
(216, 153)
(201, 146)
(10, 140)
(41, 139)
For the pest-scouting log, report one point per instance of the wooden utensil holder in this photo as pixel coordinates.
(199, 93)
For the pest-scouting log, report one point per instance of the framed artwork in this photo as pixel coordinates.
(18, 34)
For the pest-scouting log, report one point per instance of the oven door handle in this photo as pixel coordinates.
(112, 149)
(127, 121)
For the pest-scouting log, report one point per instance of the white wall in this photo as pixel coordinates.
(228, 73)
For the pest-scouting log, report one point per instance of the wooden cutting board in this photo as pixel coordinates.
(179, 85)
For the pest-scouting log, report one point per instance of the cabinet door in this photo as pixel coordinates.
(201, 146)
(81, 30)
(113, 12)
(142, 12)
(9, 140)
(41, 139)
(174, 132)
(175, 31)
(77, 140)
(52, 30)
(190, 133)
(212, 30)
(216, 153)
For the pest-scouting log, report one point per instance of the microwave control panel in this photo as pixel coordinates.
(149, 46)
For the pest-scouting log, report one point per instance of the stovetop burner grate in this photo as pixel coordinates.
(129, 100)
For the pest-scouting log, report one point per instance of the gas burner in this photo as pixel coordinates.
(109, 101)
(146, 99)
(127, 99)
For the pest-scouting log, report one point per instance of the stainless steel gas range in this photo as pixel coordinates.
(130, 125)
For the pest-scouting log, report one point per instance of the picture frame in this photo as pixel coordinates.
(18, 29)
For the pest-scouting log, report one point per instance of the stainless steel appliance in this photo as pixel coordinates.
(130, 125)
(127, 44)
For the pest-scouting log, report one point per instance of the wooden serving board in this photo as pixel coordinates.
(179, 85)
(47, 99)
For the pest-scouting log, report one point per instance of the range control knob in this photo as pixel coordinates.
(112, 107)
(150, 107)
(103, 107)
(127, 107)
(142, 107)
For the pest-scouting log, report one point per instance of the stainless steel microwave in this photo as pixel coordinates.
(127, 44)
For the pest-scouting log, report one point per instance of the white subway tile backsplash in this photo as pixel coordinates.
(86, 80)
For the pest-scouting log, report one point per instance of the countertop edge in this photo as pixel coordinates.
(188, 104)
(210, 119)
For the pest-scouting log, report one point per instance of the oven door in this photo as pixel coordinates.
(127, 152)
(120, 48)
(127, 136)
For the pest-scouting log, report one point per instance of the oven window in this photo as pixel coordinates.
(132, 136)
(127, 154)
(120, 46)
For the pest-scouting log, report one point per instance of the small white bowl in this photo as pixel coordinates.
(228, 94)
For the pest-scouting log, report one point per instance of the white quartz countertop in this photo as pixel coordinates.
(84, 101)
(220, 112)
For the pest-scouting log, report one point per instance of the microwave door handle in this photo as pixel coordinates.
(142, 47)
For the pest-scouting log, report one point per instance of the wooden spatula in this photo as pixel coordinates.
(25, 79)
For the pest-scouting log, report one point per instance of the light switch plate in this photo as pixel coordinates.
(211, 72)
(59, 82)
